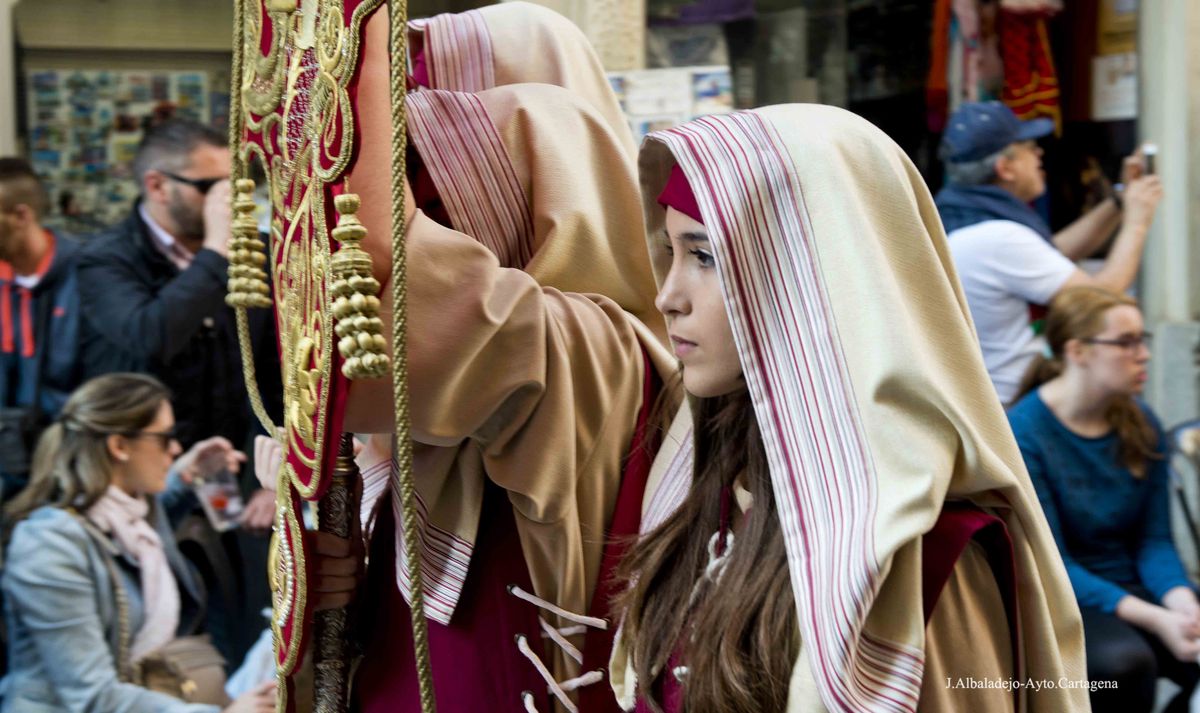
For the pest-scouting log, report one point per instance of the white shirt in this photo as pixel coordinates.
(33, 280)
(165, 242)
(1004, 267)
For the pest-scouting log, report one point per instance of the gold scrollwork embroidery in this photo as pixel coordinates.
(303, 405)
(298, 113)
(289, 572)
(263, 76)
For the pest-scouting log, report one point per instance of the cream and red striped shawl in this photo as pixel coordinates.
(533, 172)
(515, 43)
(870, 391)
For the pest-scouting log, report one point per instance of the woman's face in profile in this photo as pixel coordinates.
(1116, 360)
(690, 299)
(144, 458)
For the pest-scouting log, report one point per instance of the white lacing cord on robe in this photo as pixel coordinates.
(558, 636)
(712, 573)
(527, 699)
(716, 563)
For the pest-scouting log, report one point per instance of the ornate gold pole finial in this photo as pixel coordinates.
(247, 279)
(356, 304)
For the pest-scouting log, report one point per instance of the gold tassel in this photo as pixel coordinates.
(248, 285)
(356, 304)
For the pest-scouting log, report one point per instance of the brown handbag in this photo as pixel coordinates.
(188, 667)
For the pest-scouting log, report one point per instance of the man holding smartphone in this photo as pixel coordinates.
(1008, 261)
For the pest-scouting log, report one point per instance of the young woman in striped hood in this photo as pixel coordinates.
(850, 528)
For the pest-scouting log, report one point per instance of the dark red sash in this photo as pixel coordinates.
(476, 664)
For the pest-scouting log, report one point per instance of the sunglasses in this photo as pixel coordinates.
(165, 438)
(204, 185)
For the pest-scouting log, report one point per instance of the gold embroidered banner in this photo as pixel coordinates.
(297, 71)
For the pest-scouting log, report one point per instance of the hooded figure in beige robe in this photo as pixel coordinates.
(534, 350)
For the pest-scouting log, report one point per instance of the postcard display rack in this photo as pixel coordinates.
(84, 127)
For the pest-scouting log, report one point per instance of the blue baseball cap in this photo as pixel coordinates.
(980, 129)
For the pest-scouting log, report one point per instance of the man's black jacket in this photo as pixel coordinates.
(142, 313)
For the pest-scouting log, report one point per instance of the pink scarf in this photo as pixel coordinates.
(124, 516)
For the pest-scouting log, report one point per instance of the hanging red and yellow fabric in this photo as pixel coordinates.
(1031, 87)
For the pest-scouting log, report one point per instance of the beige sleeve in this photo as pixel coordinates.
(968, 639)
(542, 381)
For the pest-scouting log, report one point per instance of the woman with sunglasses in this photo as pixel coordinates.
(93, 581)
(1098, 460)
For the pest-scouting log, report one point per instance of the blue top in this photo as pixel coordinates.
(49, 314)
(1113, 529)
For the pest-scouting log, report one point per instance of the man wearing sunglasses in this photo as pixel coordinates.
(153, 287)
(153, 299)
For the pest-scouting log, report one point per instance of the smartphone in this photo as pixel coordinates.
(221, 499)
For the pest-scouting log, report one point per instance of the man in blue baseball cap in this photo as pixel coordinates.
(1009, 262)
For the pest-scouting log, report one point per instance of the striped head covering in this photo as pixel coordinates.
(514, 43)
(870, 392)
(567, 212)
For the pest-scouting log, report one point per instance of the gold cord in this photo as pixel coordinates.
(403, 478)
(256, 402)
(237, 172)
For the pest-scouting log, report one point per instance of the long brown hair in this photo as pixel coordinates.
(1078, 313)
(71, 465)
(741, 638)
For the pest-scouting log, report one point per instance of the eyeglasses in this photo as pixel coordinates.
(204, 185)
(165, 438)
(1128, 343)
